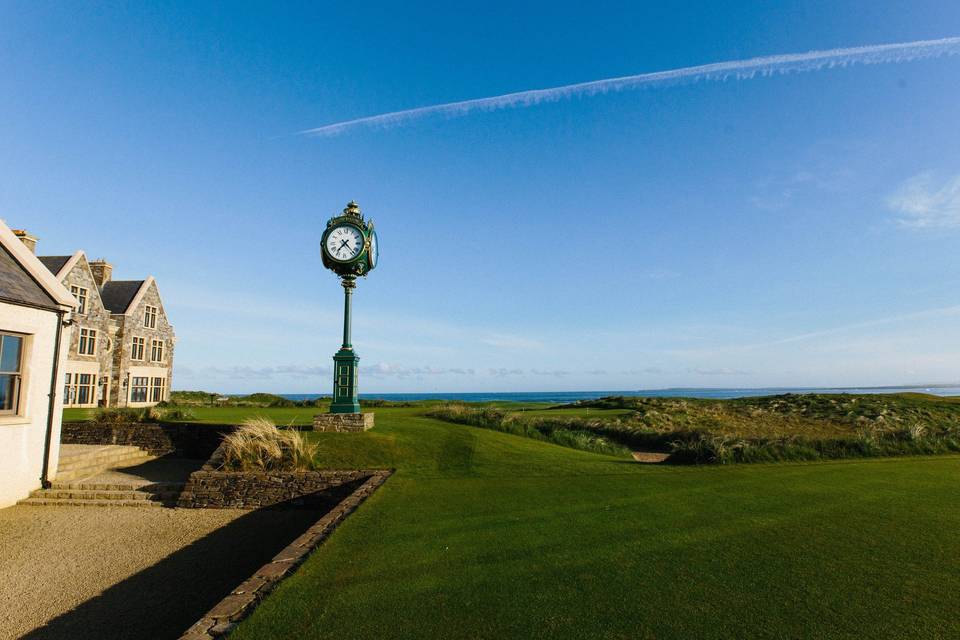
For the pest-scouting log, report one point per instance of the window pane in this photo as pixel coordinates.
(6, 392)
(10, 357)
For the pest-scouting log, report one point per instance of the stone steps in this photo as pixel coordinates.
(65, 502)
(113, 494)
(155, 487)
(96, 495)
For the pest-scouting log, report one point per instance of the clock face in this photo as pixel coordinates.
(374, 250)
(344, 243)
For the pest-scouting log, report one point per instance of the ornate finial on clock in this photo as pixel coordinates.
(353, 210)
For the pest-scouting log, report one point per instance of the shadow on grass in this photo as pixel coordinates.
(162, 601)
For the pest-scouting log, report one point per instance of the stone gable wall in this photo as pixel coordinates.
(131, 326)
(97, 318)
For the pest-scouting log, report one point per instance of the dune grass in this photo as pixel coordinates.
(482, 534)
(788, 427)
(258, 445)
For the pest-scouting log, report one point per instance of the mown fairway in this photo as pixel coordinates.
(482, 534)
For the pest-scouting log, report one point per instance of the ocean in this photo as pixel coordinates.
(561, 397)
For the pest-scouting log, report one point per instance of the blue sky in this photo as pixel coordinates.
(789, 230)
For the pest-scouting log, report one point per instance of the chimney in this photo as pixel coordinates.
(27, 239)
(102, 271)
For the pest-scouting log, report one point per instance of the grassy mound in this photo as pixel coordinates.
(766, 429)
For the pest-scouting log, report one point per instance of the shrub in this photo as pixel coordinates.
(193, 397)
(258, 445)
(175, 413)
(122, 415)
(322, 401)
(378, 402)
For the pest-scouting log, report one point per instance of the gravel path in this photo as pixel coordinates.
(114, 572)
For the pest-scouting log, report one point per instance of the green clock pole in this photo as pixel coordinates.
(346, 361)
(350, 249)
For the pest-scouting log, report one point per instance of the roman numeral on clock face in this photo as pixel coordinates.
(344, 243)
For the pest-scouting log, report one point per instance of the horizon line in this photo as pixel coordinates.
(938, 385)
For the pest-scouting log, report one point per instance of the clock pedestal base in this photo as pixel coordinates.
(346, 363)
(343, 422)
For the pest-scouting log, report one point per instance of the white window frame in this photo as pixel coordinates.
(82, 294)
(150, 316)
(137, 348)
(75, 386)
(87, 343)
(16, 405)
(157, 392)
(145, 386)
(156, 350)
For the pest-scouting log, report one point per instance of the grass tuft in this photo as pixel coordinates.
(258, 445)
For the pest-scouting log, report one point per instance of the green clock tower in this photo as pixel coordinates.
(349, 249)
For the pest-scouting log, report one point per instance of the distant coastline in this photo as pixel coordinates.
(682, 392)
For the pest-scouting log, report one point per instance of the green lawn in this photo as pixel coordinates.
(481, 534)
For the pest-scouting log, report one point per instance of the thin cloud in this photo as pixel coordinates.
(941, 312)
(556, 373)
(506, 341)
(646, 370)
(765, 66)
(398, 371)
(503, 373)
(722, 371)
(254, 373)
(922, 203)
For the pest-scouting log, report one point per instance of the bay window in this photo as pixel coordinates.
(138, 389)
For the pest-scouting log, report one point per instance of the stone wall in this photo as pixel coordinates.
(208, 489)
(97, 318)
(343, 422)
(131, 326)
(193, 441)
(224, 616)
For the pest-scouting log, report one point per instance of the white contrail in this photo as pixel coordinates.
(737, 69)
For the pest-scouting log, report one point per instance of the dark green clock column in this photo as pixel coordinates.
(350, 249)
(346, 361)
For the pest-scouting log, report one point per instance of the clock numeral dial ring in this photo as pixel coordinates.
(344, 243)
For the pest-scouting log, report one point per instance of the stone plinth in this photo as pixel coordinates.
(343, 422)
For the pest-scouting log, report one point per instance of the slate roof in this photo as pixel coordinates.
(54, 263)
(17, 285)
(118, 294)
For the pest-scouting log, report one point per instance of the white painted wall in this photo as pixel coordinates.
(22, 436)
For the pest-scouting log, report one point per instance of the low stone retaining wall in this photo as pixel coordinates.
(223, 618)
(182, 440)
(343, 422)
(209, 489)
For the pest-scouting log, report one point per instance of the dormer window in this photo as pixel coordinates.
(81, 295)
(150, 317)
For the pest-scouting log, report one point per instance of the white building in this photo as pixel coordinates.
(34, 338)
